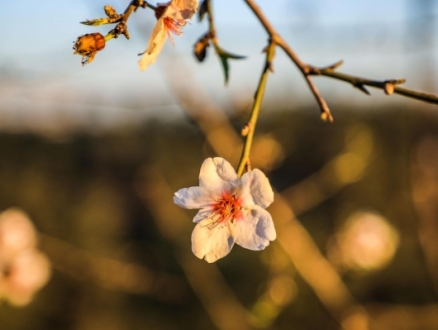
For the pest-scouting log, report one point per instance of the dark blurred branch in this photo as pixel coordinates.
(113, 274)
(406, 317)
(332, 177)
(315, 269)
(199, 106)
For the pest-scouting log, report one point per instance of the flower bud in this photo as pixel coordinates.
(200, 48)
(88, 45)
(110, 11)
(388, 88)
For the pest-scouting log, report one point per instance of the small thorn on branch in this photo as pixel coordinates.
(333, 67)
(270, 66)
(246, 129)
(362, 88)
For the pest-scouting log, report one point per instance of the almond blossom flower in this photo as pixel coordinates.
(232, 210)
(171, 17)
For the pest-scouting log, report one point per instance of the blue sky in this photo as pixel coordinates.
(40, 75)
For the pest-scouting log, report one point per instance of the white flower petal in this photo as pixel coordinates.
(192, 198)
(217, 175)
(211, 243)
(203, 213)
(256, 184)
(256, 229)
(182, 9)
(155, 45)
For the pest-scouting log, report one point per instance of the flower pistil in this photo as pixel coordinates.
(228, 208)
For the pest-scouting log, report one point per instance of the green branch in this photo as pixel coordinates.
(249, 129)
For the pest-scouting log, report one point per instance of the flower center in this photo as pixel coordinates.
(173, 25)
(227, 208)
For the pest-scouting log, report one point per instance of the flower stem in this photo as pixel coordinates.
(133, 6)
(150, 6)
(211, 27)
(249, 130)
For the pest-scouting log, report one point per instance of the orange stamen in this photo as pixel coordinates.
(227, 209)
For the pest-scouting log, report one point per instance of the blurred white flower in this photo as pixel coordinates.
(17, 233)
(23, 269)
(25, 274)
(232, 210)
(366, 242)
(171, 17)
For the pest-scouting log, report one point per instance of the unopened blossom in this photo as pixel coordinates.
(232, 210)
(171, 17)
(88, 45)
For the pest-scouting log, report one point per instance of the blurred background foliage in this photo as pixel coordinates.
(94, 155)
(98, 200)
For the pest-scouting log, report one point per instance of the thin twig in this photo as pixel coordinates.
(249, 130)
(211, 26)
(361, 82)
(325, 111)
(389, 86)
(120, 19)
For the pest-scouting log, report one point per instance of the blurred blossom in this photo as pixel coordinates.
(349, 167)
(281, 290)
(171, 17)
(366, 242)
(232, 210)
(26, 274)
(24, 269)
(267, 152)
(17, 234)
